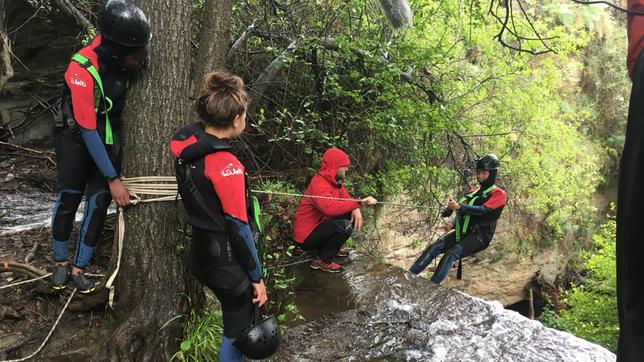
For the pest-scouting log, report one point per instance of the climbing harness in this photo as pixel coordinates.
(470, 198)
(98, 84)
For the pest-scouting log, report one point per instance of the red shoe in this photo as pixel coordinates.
(344, 252)
(331, 267)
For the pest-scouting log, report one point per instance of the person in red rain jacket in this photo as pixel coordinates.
(322, 226)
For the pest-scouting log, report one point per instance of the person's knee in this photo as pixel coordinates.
(455, 251)
(346, 225)
(97, 205)
(64, 213)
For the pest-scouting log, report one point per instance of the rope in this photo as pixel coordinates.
(25, 281)
(163, 187)
(48, 334)
(411, 206)
(39, 278)
(289, 264)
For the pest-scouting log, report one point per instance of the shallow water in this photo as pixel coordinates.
(30, 209)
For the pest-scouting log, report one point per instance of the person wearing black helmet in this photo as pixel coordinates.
(474, 225)
(88, 136)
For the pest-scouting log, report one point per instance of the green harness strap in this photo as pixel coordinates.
(87, 64)
(256, 216)
(466, 219)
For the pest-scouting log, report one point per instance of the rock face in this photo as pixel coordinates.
(399, 316)
(42, 44)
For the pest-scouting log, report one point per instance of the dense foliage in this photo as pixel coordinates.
(592, 312)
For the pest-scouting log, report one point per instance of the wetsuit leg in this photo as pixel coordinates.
(73, 170)
(432, 251)
(451, 255)
(327, 238)
(228, 352)
(212, 261)
(97, 201)
(470, 244)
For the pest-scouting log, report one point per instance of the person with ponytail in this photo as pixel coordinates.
(211, 181)
(474, 225)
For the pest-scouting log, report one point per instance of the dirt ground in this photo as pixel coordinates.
(28, 311)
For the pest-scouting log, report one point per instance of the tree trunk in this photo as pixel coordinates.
(6, 70)
(213, 40)
(153, 282)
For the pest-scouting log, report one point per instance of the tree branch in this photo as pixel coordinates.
(230, 55)
(70, 10)
(259, 86)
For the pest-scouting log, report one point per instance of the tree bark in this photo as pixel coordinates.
(153, 282)
(213, 40)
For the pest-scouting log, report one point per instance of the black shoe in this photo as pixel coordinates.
(84, 285)
(59, 277)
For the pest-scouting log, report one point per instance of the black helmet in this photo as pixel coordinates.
(488, 162)
(260, 340)
(124, 24)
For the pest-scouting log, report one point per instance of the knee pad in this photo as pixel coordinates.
(95, 213)
(227, 282)
(64, 213)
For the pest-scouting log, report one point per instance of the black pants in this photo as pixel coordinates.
(327, 238)
(630, 228)
(77, 175)
(214, 264)
(470, 244)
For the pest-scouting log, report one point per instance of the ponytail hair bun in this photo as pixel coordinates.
(222, 98)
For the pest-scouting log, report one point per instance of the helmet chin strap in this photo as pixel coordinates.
(491, 179)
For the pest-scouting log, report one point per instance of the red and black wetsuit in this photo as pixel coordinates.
(483, 214)
(223, 256)
(84, 162)
(630, 228)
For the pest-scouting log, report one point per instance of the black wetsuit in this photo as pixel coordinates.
(85, 163)
(483, 214)
(222, 253)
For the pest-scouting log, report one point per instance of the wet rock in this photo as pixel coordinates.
(402, 317)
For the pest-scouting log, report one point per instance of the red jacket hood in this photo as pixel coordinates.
(332, 160)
